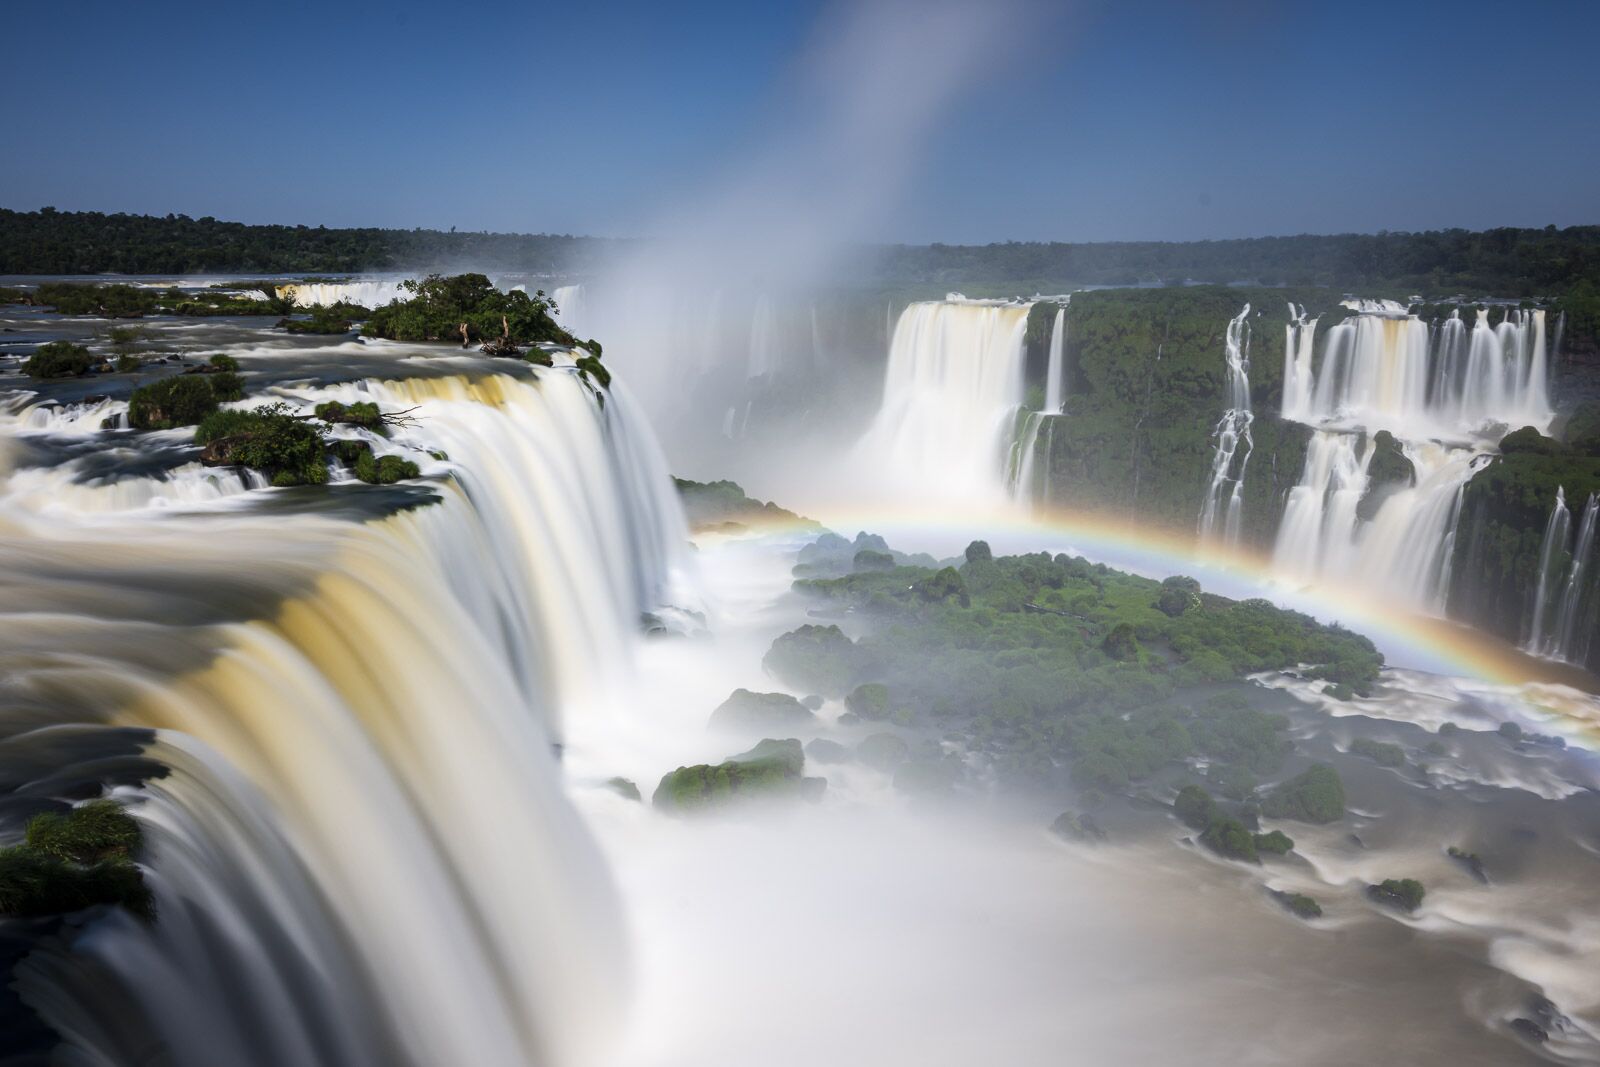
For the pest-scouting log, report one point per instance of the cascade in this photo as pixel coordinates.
(953, 385)
(369, 294)
(361, 806)
(1403, 552)
(1027, 475)
(1221, 501)
(1574, 622)
(1552, 552)
(1445, 392)
(1386, 369)
(1054, 383)
(569, 300)
(1566, 596)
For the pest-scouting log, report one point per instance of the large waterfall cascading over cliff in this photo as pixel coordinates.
(1445, 394)
(1566, 596)
(1225, 498)
(361, 806)
(951, 393)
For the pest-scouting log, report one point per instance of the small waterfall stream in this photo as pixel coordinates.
(1225, 498)
(1566, 593)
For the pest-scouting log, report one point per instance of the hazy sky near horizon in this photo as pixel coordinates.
(1141, 119)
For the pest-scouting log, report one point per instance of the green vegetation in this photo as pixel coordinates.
(1019, 668)
(75, 860)
(1470, 860)
(744, 710)
(624, 788)
(468, 309)
(325, 320)
(1227, 836)
(1299, 904)
(773, 770)
(58, 359)
(1379, 752)
(271, 439)
(364, 414)
(818, 659)
(717, 504)
(870, 701)
(1316, 795)
(185, 399)
(1277, 843)
(1194, 807)
(1403, 893)
(1500, 534)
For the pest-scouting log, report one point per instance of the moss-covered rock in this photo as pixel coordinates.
(822, 750)
(748, 711)
(1298, 904)
(772, 770)
(271, 439)
(870, 701)
(624, 788)
(885, 751)
(819, 659)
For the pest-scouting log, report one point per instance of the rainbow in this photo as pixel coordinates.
(1555, 691)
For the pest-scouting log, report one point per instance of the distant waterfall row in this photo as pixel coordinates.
(1446, 380)
(951, 392)
(361, 823)
(1566, 596)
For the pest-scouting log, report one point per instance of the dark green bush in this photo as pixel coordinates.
(58, 359)
(75, 860)
(1194, 807)
(1315, 796)
(271, 439)
(181, 400)
(1403, 893)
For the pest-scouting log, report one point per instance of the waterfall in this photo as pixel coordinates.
(1027, 476)
(361, 825)
(1299, 378)
(1575, 616)
(1054, 384)
(1566, 595)
(953, 385)
(369, 294)
(569, 301)
(1552, 552)
(1446, 392)
(1385, 369)
(1233, 429)
(1403, 552)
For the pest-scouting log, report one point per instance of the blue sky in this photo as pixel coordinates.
(1146, 119)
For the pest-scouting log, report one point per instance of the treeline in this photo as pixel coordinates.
(1503, 262)
(89, 242)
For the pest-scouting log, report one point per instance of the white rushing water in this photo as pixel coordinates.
(1224, 502)
(362, 830)
(1566, 594)
(1055, 379)
(950, 396)
(1446, 393)
(368, 294)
